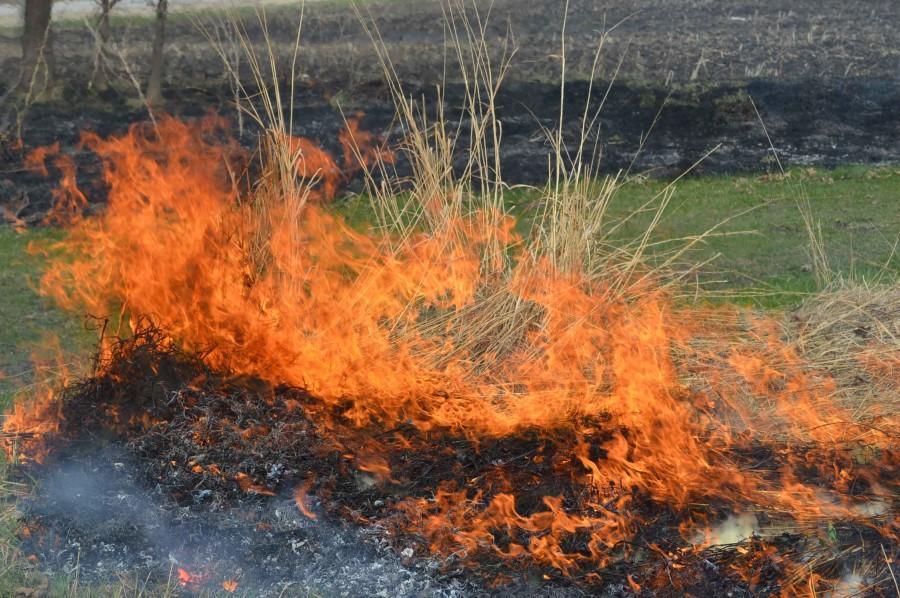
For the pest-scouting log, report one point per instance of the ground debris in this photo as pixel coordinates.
(160, 461)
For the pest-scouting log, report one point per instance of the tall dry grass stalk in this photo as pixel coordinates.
(270, 107)
(816, 243)
(571, 231)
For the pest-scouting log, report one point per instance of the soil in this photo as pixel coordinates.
(679, 41)
(824, 77)
(814, 123)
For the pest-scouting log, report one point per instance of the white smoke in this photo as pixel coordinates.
(732, 530)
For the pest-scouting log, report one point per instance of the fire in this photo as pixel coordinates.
(230, 585)
(300, 497)
(38, 413)
(246, 485)
(361, 150)
(389, 331)
(69, 202)
(186, 578)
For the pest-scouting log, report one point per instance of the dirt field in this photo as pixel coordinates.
(674, 41)
(822, 73)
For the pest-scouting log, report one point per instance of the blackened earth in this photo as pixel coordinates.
(95, 513)
(810, 123)
(161, 464)
(822, 73)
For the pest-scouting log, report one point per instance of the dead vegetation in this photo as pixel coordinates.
(852, 331)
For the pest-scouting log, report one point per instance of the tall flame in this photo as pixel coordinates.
(383, 328)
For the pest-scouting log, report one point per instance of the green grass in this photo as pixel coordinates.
(766, 249)
(760, 257)
(26, 317)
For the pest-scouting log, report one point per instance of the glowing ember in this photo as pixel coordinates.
(300, 497)
(186, 578)
(230, 585)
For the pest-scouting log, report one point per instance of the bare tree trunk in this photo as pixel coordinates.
(37, 48)
(154, 85)
(100, 80)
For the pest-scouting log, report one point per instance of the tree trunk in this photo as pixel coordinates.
(154, 86)
(100, 81)
(37, 48)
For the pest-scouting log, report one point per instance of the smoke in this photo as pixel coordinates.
(731, 531)
(95, 513)
(873, 508)
(851, 584)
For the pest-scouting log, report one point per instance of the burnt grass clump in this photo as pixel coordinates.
(161, 462)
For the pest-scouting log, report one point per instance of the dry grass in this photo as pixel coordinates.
(573, 230)
(852, 331)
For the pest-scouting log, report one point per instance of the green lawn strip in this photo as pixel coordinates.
(26, 318)
(766, 249)
(759, 257)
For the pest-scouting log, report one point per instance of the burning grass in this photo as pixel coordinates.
(504, 404)
(507, 404)
(197, 433)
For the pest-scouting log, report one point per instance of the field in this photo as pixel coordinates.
(338, 356)
(821, 77)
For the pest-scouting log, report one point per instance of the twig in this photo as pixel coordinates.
(887, 562)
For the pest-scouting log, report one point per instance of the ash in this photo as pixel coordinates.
(114, 498)
(90, 512)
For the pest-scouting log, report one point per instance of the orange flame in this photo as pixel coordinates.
(38, 413)
(186, 578)
(361, 149)
(300, 494)
(68, 200)
(230, 585)
(337, 312)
